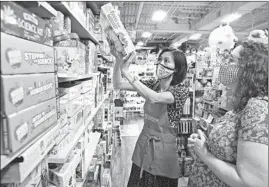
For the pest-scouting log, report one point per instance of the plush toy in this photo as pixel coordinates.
(222, 38)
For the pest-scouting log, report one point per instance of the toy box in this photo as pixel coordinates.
(70, 57)
(90, 56)
(60, 146)
(81, 169)
(113, 27)
(63, 175)
(61, 133)
(37, 178)
(85, 86)
(18, 21)
(76, 121)
(21, 56)
(22, 91)
(17, 172)
(57, 24)
(20, 128)
(67, 24)
(71, 107)
(73, 91)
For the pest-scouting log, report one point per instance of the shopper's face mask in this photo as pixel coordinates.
(165, 67)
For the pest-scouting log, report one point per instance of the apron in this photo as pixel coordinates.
(156, 147)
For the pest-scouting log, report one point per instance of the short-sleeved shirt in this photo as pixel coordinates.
(180, 93)
(249, 125)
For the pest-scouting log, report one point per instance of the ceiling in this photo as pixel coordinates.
(186, 18)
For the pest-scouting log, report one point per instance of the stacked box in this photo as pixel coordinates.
(58, 24)
(71, 107)
(18, 172)
(19, 92)
(18, 21)
(38, 177)
(76, 121)
(67, 24)
(79, 10)
(90, 20)
(21, 128)
(20, 56)
(70, 57)
(73, 91)
(90, 55)
(64, 175)
(81, 168)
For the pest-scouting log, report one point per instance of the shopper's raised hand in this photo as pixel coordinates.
(127, 61)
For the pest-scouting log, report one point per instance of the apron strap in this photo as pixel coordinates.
(149, 142)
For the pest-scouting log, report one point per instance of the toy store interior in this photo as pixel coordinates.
(73, 127)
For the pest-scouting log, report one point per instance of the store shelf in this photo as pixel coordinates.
(211, 103)
(67, 78)
(94, 145)
(63, 155)
(77, 26)
(5, 160)
(40, 8)
(104, 57)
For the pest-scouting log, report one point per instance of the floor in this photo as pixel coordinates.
(121, 161)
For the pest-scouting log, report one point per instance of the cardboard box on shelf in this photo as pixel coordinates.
(71, 107)
(18, 21)
(70, 57)
(73, 91)
(81, 169)
(90, 55)
(21, 128)
(19, 92)
(64, 175)
(67, 24)
(38, 177)
(58, 24)
(76, 121)
(18, 172)
(79, 10)
(85, 86)
(113, 27)
(60, 145)
(21, 56)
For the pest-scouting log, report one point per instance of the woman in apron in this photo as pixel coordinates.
(155, 158)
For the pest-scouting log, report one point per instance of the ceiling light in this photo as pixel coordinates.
(140, 43)
(146, 34)
(158, 15)
(196, 36)
(231, 17)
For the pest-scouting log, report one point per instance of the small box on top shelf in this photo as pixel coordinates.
(20, 22)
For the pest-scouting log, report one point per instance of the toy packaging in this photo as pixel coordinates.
(76, 121)
(64, 175)
(71, 107)
(20, 22)
(37, 178)
(73, 91)
(113, 27)
(20, 56)
(20, 128)
(19, 92)
(18, 172)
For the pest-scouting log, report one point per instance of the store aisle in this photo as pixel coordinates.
(121, 163)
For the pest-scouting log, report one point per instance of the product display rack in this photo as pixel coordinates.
(77, 26)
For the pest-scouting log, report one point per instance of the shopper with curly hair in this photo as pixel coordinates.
(235, 153)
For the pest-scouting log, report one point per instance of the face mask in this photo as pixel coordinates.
(163, 71)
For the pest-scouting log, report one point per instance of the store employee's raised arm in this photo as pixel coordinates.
(147, 93)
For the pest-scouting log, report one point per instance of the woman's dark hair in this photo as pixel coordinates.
(180, 65)
(253, 73)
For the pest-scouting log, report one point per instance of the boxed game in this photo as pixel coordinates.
(73, 91)
(17, 172)
(19, 92)
(21, 128)
(114, 30)
(76, 121)
(18, 21)
(37, 177)
(20, 56)
(64, 175)
(71, 107)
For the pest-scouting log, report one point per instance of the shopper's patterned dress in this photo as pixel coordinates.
(251, 125)
(174, 111)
